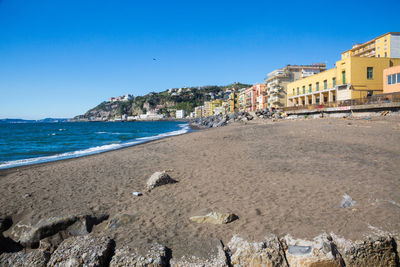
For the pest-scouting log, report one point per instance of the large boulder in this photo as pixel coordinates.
(83, 251)
(36, 258)
(30, 231)
(215, 218)
(158, 179)
(215, 256)
(125, 257)
(268, 253)
(305, 253)
(375, 250)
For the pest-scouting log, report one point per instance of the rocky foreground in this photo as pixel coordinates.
(81, 248)
(68, 241)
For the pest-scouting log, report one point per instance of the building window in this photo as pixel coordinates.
(398, 77)
(385, 54)
(309, 88)
(394, 79)
(298, 90)
(343, 77)
(293, 91)
(325, 84)
(317, 86)
(333, 82)
(304, 89)
(370, 72)
(389, 78)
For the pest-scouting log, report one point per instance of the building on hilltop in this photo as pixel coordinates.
(126, 97)
(386, 45)
(277, 81)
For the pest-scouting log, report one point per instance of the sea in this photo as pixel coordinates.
(32, 143)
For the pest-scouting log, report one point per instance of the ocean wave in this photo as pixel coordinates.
(93, 150)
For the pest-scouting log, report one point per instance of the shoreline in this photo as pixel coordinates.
(70, 155)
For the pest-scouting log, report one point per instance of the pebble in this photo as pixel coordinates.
(138, 194)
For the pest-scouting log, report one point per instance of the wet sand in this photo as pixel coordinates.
(284, 177)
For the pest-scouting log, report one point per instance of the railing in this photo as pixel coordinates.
(370, 100)
(375, 99)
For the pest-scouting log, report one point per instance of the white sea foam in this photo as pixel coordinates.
(93, 150)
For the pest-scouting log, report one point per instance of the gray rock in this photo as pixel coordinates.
(307, 253)
(29, 232)
(83, 251)
(36, 258)
(155, 257)
(158, 179)
(299, 250)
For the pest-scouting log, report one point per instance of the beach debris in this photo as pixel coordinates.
(159, 178)
(30, 231)
(120, 220)
(316, 252)
(215, 218)
(347, 201)
(375, 250)
(155, 257)
(269, 252)
(384, 113)
(209, 253)
(27, 195)
(82, 251)
(138, 194)
(367, 119)
(36, 258)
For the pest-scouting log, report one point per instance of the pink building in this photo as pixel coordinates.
(250, 99)
(261, 102)
(391, 80)
(255, 98)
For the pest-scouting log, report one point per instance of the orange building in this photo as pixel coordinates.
(391, 80)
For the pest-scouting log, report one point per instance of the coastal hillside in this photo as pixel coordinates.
(164, 103)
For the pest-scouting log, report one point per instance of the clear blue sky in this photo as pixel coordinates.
(60, 58)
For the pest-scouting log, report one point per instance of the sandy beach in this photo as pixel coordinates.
(285, 177)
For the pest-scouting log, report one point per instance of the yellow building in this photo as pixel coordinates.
(213, 104)
(232, 103)
(352, 78)
(387, 45)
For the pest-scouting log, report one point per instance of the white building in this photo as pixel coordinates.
(180, 114)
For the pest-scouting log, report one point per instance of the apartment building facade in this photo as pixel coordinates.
(277, 81)
(352, 78)
(386, 45)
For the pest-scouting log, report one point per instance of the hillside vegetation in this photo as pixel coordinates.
(165, 102)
